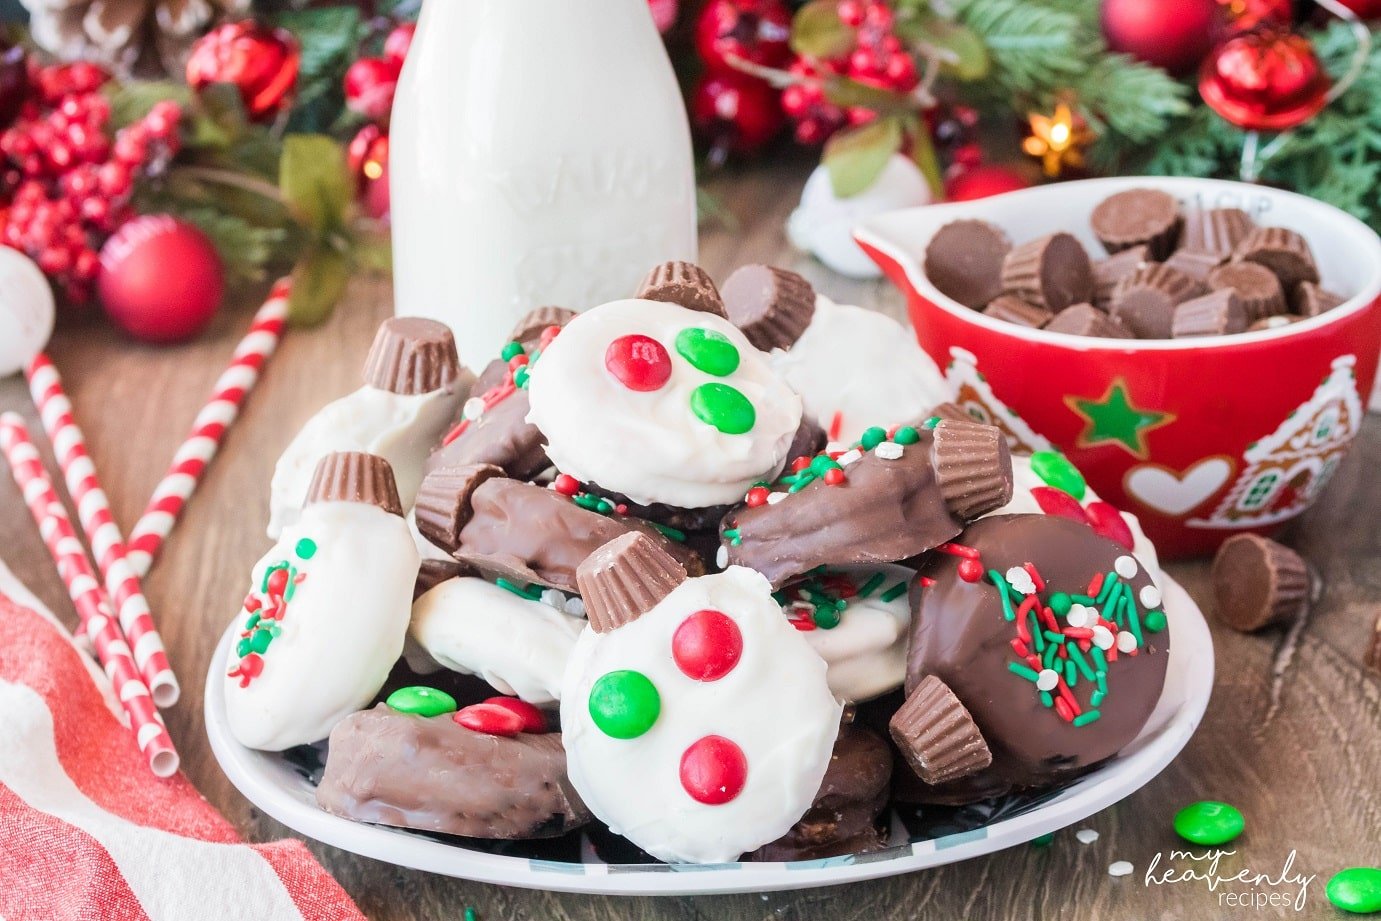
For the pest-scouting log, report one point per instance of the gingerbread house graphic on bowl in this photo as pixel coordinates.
(1283, 472)
(974, 396)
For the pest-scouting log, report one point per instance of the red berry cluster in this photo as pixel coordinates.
(370, 85)
(68, 183)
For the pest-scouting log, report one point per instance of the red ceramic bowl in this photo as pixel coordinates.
(1200, 438)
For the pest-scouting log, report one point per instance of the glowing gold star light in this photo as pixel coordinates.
(1057, 140)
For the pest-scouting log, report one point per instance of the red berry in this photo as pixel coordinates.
(757, 31)
(115, 178)
(834, 476)
(707, 645)
(399, 41)
(714, 770)
(369, 86)
(638, 362)
(736, 113)
(261, 62)
(851, 12)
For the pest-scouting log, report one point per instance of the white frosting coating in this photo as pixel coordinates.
(1025, 479)
(401, 428)
(474, 627)
(342, 631)
(650, 445)
(866, 652)
(775, 704)
(862, 365)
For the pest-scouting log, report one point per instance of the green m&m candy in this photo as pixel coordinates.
(1356, 889)
(624, 704)
(1056, 470)
(708, 350)
(421, 701)
(1208, 823)
(723, 407)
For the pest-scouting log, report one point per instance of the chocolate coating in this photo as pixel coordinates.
(432, 774)
(1108, 272)
(771, 306)
(964, 261)
(959, 635)
(502, 436)
(1087, 320)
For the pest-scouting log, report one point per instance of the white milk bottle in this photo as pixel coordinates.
(539, 155)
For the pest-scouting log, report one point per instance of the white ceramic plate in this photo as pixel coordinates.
(280, 784)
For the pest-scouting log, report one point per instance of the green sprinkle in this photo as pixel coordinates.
(806, 477)
(1007, 612)
(1135, 621)
(826, 618)
(1044, 840)
(1155, 621)
(1102, 679)
(735, 538)
(822, 463)
(252, 620)
(895, 592)
(1049, 656)
(1110, 581)
(1083, 719)
(519, 590)
(1100, 661)
(872, 437)
(1082, 599)
(1017, 668)
(520, 377)
(930, 423)
(243, 648)
(1054, 636)
(1078, 659)
(470, 914)
(873, 584)
(1060, 603)
(906, 435)
(1096, 698)
(1071, 674)
(1046, 699)
(669, 531)
(1037, 639)
(511, 351)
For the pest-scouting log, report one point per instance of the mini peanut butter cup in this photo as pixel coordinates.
(624, 579)
(353, 476)
(1217, 313)
(973, 467)
(1258, 582)
(964, 261)
(1052, 271)
(1215, 230)
(443, 501)
(1145, 301)
(771, 306)
(1087, 320)
(1256, 285)
(683, 283)
(1135, 217)
(538, 319)
(412, 355)
(1013, 309)
(1194, 263)
(1310, 300)
(1283, 251)
(937, 736)
(1108, 272)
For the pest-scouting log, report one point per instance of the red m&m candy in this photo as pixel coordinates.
(638, 362)
(707, 645)
(713, 770)
(1059, 503)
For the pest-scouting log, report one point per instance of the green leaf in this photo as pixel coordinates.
(318, 282)
(246, 249)
(373, 251)
(855, 157)
(315, 182)
(131, 100)
(848, 93)
(966, 57)
(330, 38)
(817, 32)
(923, 155)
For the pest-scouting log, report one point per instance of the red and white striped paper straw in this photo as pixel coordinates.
(208, 429)
(107, 545)
(91, 601)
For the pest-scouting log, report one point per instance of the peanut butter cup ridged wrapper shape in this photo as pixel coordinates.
(353, 476)
(412, 355)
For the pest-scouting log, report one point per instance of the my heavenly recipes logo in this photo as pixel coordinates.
(1243, 887)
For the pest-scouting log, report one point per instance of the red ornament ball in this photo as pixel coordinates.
(735, 113)
(261, 62)
(1171, 34)
(757, 31)
(1266, 80)
(982, 181)
(160, 279)
(638, 362)
(369, 87)
(713, 770)
(707, 645)
(399, 41)
(1248, 14)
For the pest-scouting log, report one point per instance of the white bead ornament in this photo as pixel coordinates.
(26, 311)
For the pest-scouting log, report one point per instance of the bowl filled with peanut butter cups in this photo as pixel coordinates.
(1201, 349)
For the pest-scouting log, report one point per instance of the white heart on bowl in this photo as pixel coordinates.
(1177, 493)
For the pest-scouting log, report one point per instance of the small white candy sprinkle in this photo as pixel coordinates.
(1120, 868)
(1086, 835)
(1047, 679)
(721, 556)
(889, 450)
(1078, 616)
(1125, 642)
(1150, 597)
(575, 606)
(555, 598)
(774, 497)
(850, 456)
(1125, 567)
(1021, 580)
(474, 408)
(1103, 638)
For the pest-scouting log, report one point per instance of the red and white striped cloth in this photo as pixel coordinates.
(87, 833)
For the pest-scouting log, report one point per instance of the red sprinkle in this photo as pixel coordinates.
(803, 624)
(954, 549)
(927, 582)
(834, 476)
(970, 570)
(517, 361)
(1079, 633)
(1095, 585)
(800, 464)
(1068, 697)
(252, 603)
(756, 496)
(836, 425)
(1062, 708)
(248, 669)
(1035, 575)
(1020, 648)
(548, 335)
(456, 432)
(534, 721)
(621, 509)
(566, 484)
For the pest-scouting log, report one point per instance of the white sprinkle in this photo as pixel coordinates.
(721, 557)
(1120, 868)
(889, 450)
(575, 606)
(1047, 680)
(1150, 597)
(1103, 638)
(1125, 567)
(774, 497)
(474, 408)
(850, 456)
(1086, 835)
(1125, 642)
(555, 598)
(1078, 616)
(1021, 580)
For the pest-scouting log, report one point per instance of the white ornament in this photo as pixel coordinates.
(823, 224)
(26, 311)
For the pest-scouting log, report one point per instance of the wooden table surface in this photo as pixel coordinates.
(1291, 738)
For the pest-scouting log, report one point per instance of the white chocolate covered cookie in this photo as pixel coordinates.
(518, 645)
(662, 404)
